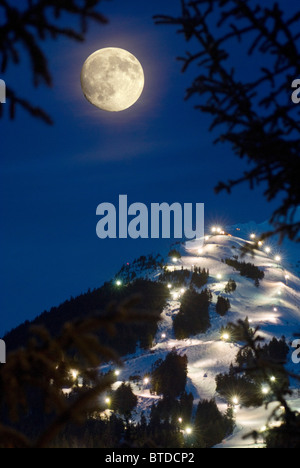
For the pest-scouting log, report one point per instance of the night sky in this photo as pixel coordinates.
(53, 178)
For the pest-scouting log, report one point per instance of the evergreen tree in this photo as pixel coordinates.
(276, 350)
(146, 298)
(246, 269)
(232, 385)
(34, 411)
(236, 334)
(169, 377)
(193, 317)
(186, 407)
(223, 306)
(200, 277)
(262, 368)
(124, 401)
(211, 426)
(230, 286)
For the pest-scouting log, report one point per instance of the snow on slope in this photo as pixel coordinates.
(274, 307)
(289, 249)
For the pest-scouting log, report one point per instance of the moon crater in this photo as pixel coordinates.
(112, 79)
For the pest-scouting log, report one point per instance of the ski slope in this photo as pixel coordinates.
(274, 307)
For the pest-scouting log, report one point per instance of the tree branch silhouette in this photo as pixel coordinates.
(285, 433)
(35, 376)
(26, 27)
(255, 115)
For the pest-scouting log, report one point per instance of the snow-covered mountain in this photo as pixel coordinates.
(289, 249)
(274, 306)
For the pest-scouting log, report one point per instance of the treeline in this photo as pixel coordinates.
(276, 351)
(246, 269)
(211, 426)
(174, 412)
(253, 389)
(193, 317)
(167, 422)
(199, 277)
(128, 272)
(152, 298)
(223, 306)
(177, 278)
(162, 430)
(169, 376)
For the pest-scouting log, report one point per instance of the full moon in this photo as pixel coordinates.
(112, 79)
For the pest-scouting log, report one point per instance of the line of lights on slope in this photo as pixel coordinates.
(177, 294)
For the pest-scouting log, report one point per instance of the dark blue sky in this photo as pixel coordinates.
(53, 178)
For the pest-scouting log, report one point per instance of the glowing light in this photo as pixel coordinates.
(117, 373)
(260, 243)
(253, 236)
(180, 420)
(263, 429)
(278, 258)
(175, 260)
(207, 238)
(146, 381)
(275, 309)
(107, 401)
(235, 401)
(287, 277)
(169, 286)
(279, 293)
(175, 296)
(189, 430)
(74, 374)
(273, 379)
(214, 229)
(267, 250)
(225, 336)
(182, 291)
(119, 283)
(164, 336)
(200, 251)
(265, 390)
(219, 277)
